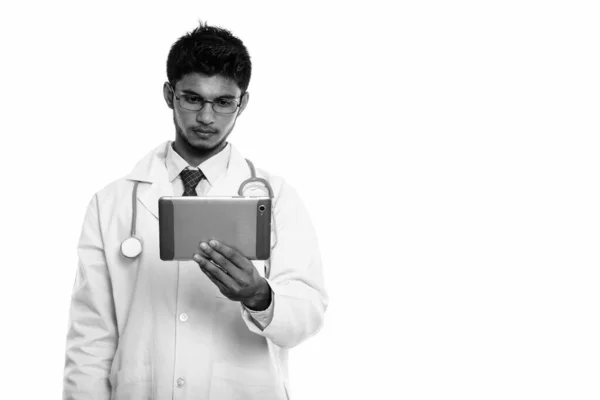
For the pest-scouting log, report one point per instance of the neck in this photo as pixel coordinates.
(192, 155)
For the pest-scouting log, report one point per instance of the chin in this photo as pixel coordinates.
(204, 143)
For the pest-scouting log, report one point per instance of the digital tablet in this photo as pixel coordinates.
(243, 223)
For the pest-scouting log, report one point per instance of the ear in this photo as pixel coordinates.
(244, 102)
(169, 94)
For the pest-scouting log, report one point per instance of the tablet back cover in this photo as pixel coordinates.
(243, 223)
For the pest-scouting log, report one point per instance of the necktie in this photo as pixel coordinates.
(190, 178)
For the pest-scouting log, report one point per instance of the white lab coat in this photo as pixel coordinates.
(153, 329)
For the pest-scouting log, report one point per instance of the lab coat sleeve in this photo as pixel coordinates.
(262, 318)
(92, 333)
(296, 277)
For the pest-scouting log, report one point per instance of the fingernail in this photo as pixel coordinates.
(197, 257)
(213, 243)
(204, 246)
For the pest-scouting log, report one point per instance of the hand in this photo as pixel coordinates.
(235, 275)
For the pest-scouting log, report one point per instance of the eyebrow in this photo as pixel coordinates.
(225, 96)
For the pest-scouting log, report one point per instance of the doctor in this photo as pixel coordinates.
(213, 328)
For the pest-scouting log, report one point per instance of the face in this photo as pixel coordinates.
(203, 131)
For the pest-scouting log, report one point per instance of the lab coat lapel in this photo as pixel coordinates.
(149, 194)
(151, 171)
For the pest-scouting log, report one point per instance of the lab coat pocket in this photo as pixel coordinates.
(132, 383)
(232, 382)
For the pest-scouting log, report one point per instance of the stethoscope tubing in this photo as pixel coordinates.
(134, 208)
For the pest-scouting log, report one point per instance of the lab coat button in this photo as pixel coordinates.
(180, 382)
(183, 317)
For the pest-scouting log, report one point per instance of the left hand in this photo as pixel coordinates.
(234, 275)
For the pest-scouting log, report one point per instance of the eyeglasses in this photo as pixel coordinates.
(221, 105)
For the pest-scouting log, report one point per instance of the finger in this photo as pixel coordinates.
(212, 271)
(230, 254)
(230, 268)
(216, 275)
(210, 260)
(201, 251)
(222, 288)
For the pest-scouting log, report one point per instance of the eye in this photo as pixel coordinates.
(224, 102)
(192, 99)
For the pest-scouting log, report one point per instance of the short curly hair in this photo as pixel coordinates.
(211, 51)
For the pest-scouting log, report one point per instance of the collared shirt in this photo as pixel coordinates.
(212, 169)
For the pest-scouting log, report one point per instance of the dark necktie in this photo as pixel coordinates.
(190, 178)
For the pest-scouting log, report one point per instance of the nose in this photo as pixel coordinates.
(206, 114)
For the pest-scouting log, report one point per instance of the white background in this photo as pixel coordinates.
(447, 151)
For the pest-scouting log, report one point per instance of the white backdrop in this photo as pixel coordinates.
(447, 152)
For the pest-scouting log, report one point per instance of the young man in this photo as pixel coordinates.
(213, 328)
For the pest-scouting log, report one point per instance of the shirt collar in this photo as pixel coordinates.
(213, 168)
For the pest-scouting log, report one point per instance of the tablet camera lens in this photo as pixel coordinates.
(262, 208)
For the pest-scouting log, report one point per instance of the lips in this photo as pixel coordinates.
(203, 131)
(204, 134)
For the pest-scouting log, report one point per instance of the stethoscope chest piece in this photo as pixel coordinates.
(131, 247)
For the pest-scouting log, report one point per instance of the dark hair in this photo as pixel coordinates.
(212, 51)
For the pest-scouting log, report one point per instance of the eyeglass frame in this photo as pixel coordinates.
(238, 104)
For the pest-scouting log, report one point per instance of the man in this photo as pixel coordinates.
(214, 328)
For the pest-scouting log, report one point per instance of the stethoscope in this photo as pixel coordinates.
(132, 246)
